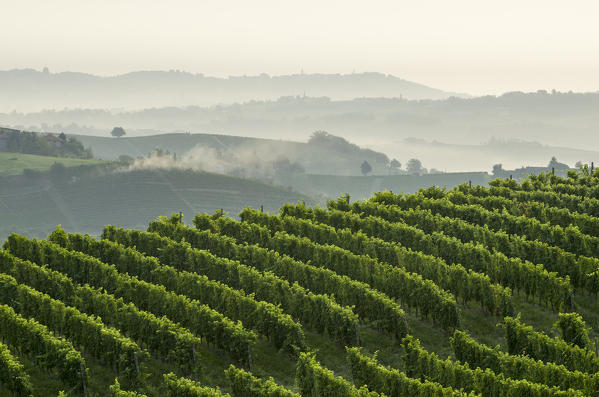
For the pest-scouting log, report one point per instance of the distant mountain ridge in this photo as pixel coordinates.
(31, 90)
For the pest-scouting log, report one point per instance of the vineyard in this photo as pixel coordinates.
(473, 291)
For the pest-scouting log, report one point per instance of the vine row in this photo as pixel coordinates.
(369, 304)
(200, 319)
(319, 311)
(469, 351)
(409, 288)
(519, 275)
(465, 284)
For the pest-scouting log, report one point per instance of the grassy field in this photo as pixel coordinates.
(15, 163)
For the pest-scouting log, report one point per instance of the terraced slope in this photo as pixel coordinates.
(439, 293)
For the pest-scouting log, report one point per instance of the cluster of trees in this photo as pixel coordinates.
(118, 132)
(283, 166)
(413, 167)
(339, 144)
(554, 166)
(372, 160)
(44, 145)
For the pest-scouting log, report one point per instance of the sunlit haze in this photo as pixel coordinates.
(469, 46)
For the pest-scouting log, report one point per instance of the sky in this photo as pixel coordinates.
(471, 46)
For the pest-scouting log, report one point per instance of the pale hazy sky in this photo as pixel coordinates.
(474, 46)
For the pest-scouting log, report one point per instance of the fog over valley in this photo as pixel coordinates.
(452, 134)
(309, 198)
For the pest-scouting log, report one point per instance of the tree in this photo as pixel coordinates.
(414, 167)
(126, 160)
(394, 166)
(332, 142)
(283, 166)
(365, 167)
(497, 169)
(118, 132)
(58, 171)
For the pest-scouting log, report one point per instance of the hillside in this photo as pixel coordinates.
(15, 163)
(329, 169)
(35, 206)
(30, 90)
(362, 187)
(220, 153)
(457, 134)
(111, 148)
(411, 279)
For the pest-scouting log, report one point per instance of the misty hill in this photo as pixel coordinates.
(28, 89)
(244, 156)
(556, 119)
(34, 206)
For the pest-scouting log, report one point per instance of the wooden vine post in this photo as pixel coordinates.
(83, 379)
(136, 362)
(250, 357)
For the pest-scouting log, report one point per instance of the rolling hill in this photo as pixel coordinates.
(30, 90)
(473, 291)
(35, 206)
(333, 156)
